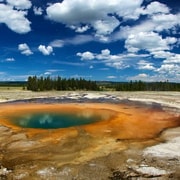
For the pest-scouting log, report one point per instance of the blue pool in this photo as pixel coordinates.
(54, 120)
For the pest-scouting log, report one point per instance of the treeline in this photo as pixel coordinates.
(12, 83)
(35, 83)
(60, 84)
(147, 86)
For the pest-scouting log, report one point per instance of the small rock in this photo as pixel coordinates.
(151, 171)
(4, 171)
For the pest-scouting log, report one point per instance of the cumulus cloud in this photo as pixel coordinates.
(20, 4)
(103, 20)
(105, 54)
(142, 64)
(45, 50)
(174, 58)
(95, 14)
(155, 8)
(116, 61)
(14, 19)
(80, 29)
(86, 55)
(107, 26)
(162, 54)
(165, 21)
(148, 41)
(38, 10)
(24, 48)
(117, 64)
(157, 22)
(78, 11)
(169, 69)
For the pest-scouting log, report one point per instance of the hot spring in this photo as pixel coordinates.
(99, 120)
(35, 116)
(54, 120)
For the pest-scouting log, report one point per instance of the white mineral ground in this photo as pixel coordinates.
(139, 143)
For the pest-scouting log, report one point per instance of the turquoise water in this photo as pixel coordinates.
(54, 121)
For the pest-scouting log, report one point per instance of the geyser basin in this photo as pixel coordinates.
(55, 120)
(99, 120)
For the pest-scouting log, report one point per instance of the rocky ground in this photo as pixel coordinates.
(23, 156)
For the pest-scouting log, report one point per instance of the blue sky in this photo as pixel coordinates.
(117, 40)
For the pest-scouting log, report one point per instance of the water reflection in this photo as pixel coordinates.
(54, 121)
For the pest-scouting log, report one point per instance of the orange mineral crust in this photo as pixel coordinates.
(119, 128)
(118, 121)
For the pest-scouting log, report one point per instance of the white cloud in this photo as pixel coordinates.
(105, 54)
(14, 19)
(107, 26)
(162, 54)
(10, 59)
(143, 77)
(47, 73)
(37, 10)
(78, 11)
(54, 70)
(155, 78)
(111, 77)
(45, 50)
(165, 21)
(24, 48)
(86, 55)
(80, 29)
(142, 64)
(169, 69)
(117, 64)
(116, 61)
(74, 13)
(155, 8)
(148, 41)
(156, 23)
(174, 58)
(20, 4)
(79, 39)
(57, 43)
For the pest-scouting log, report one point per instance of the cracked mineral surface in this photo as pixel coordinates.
(132, 140)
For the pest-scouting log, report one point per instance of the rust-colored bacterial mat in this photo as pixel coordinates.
(121, 121)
